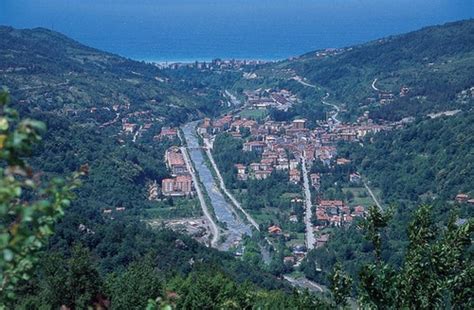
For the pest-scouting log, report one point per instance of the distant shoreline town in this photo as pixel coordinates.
(234, 62)
(209, 64)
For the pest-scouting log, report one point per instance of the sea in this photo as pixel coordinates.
(202, 30)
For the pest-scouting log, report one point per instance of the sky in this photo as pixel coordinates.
(165, 30)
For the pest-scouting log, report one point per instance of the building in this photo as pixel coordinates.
(321, 240)
(315, 180)
(295, 176)
(274, 230)
(205, 127)
(359, 211)
(221, 124)
(168, 133)
(175, 161)
(178, 186)
(294, 164)
(254, 146)
(299, 124)
(355, 178)
(129, 127)
(331, 203)
(262, 174)
(462, 198)
(343, 161)
(289, 260)
(241, 172)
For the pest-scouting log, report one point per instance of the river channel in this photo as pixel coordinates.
(224, 212)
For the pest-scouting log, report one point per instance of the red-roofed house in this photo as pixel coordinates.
(274, 230)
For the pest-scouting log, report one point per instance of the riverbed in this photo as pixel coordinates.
(235, 227)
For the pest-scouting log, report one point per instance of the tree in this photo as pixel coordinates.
(74, 282)
(29, 207)
(341, 285)
(133, 288)
(437, 271)
(373, 224)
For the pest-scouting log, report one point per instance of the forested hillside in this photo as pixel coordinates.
(46, 69)
(435, 64)
(431, 159)
(103, 113)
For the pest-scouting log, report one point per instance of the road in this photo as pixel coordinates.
(310, 240)
(373, 196)
(135, 136)
(304, 283)
(224, 188)
(373, 85)
(117, 116)
(323, 100)
(42, 86)
(301, 81)
(233, 100)
(334, 116)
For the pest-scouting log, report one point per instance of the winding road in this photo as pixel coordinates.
(334, 116)
(300, 80)
(373, 85)
(323, 100)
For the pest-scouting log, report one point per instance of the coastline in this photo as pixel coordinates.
(202, 60)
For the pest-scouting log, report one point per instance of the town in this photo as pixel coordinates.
(283, 146)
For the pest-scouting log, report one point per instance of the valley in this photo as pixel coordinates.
(252, 177)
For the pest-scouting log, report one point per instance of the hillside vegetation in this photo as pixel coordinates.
(46, 69)
(87, 98)
(435, 63)
(429, 162)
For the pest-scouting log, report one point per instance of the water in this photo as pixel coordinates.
(223, 211)
(185, 30)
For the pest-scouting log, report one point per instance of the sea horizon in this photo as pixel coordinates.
(165, 31)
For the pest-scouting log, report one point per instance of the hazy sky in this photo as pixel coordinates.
(197, 29)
